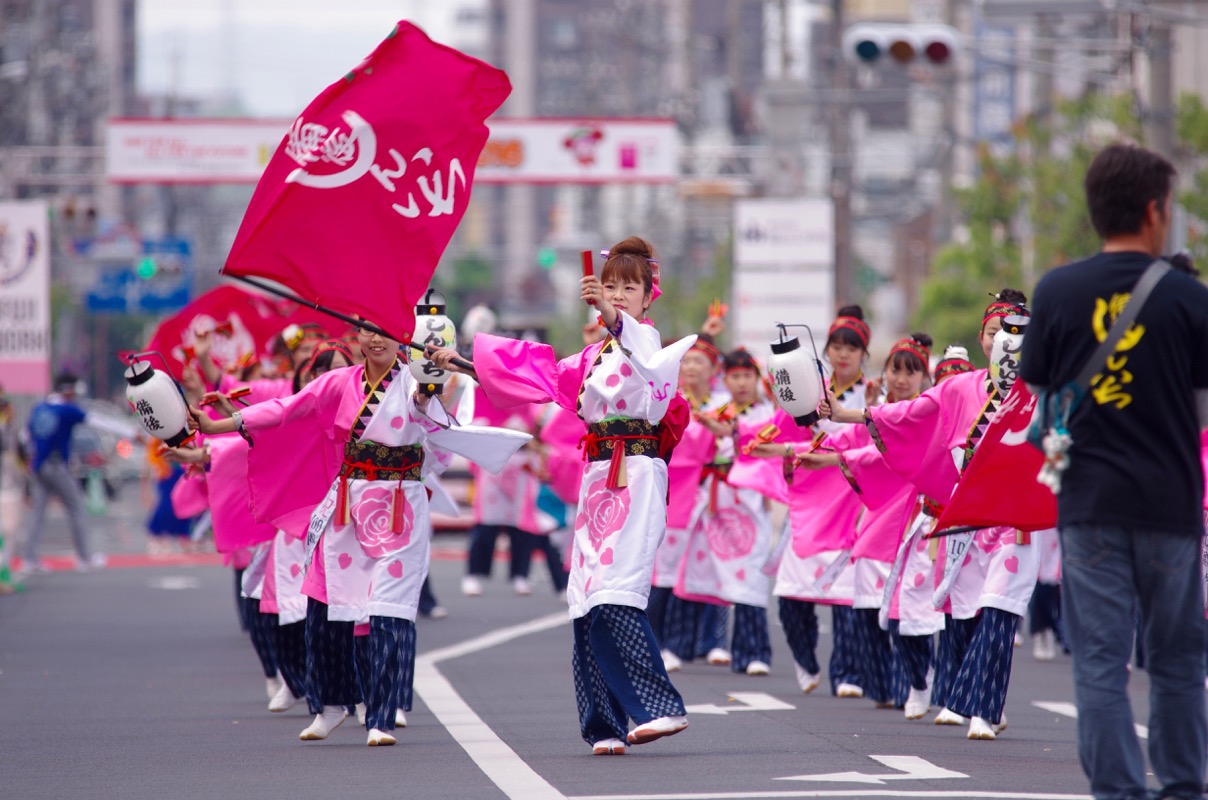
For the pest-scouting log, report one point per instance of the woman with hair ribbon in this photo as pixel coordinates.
(345, 459)
(815, 565)
(891, 503)
(984, 578)
(624, 389)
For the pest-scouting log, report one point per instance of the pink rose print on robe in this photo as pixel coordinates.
(990, 539)
(604, 512)
(731, 534)
(371, 523)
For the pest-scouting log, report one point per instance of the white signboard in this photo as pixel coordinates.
(801, 296)
(191, 150)
(580, 151)
(772, 232)
(24, 297)
(518, 151)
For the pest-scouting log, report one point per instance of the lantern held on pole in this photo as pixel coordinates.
(797, 377)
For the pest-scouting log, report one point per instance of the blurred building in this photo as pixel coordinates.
(699, 62)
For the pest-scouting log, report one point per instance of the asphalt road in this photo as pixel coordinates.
(135, 682)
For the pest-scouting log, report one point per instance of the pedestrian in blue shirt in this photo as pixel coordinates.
(50, 425)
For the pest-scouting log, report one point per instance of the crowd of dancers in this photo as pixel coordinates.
(671, 468)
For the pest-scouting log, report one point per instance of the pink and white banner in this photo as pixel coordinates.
(24, 297)
(586, 150)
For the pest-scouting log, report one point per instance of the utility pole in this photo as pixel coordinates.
(1159, 120)
(841, 158)
(945, 215)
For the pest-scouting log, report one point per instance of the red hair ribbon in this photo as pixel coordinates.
(855, 325)
(909, 345)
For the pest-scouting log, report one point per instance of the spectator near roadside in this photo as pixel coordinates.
(1131, 501)
(51, 423)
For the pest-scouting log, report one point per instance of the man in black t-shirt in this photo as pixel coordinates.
(1130, 510)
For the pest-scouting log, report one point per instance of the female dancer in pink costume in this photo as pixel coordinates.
(891, 503)
(624, 389)
(987, 576)
(823, 513)
(731, 529)
(349, 453)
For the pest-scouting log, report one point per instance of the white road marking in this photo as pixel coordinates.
(791, 795)
(751, 701)
(1071, 711)
(911, 768)
(175, 582)
(500, 763)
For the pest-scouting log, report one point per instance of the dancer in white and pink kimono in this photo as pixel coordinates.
(815, 567)
(887, 660)
(679, 624)
(986, 577)
(731, 529)
(624, 389)
(349, 453)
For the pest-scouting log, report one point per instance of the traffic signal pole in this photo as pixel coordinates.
(841, 158)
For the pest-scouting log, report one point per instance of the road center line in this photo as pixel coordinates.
(499, 763)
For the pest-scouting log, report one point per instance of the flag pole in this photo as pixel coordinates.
(953, 531)
(353, 321)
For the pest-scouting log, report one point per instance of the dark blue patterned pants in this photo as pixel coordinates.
(800, 623)
(619, 673)
(386, 663)
(290, 645)
(953, 643)
(656, 612)
(750, 641)
(874, 658)
(261, 630)
(844, 663)
(915, 653)
(980, 686)
(330, 669)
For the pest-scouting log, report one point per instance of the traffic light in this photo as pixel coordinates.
(146, 268)
(873, 43)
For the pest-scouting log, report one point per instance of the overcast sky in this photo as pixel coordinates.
(276, 54)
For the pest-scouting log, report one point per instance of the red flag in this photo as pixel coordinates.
(999, 487)
(253, 321)
(359, 201)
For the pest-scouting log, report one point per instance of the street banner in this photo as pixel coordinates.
(24, 297)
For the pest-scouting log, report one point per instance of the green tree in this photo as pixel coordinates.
(1024, 214)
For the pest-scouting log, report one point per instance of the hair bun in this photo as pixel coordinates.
(923, 339)
(851, 311)
(634, 245)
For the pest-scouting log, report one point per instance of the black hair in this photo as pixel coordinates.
(846, 335)
(740, 358)
(912, 362)
(66, 380)
(1120, 183)
(630, 260)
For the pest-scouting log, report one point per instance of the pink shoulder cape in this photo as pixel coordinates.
(234, 527)
(520, 372)
(299, 447)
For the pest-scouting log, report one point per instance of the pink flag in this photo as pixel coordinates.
(244, 323)
(359, 201)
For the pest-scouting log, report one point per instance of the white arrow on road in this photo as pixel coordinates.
(752, 701)
(1071, 711)
(912, 768)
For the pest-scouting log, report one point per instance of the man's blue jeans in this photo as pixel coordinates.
(1108, 573)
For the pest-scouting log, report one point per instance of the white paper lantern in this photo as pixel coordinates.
(1004, 353)
(158, 402)
(796, 376)
(432, 327)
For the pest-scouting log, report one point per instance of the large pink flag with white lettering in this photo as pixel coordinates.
(359, 201)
